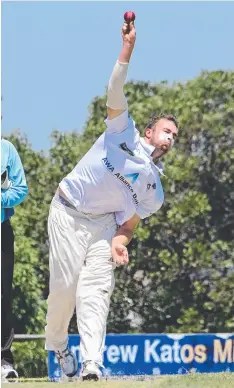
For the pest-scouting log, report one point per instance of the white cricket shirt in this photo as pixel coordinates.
(117, 175)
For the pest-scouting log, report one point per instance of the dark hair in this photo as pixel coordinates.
(155, 118)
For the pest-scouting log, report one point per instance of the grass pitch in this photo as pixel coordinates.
(196, 380)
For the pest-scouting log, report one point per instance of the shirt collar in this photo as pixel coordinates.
(149, 149)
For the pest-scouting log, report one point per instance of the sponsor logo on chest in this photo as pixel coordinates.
(128, 180)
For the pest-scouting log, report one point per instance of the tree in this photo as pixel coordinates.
(183, 268)
(181, 273)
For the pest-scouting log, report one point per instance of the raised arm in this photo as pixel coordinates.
(116, 100)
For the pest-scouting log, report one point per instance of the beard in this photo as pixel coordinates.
(160, 151)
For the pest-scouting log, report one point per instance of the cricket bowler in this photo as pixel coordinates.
(93, 216)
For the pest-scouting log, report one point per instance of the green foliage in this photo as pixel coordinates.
(181, 274)
(30, 358)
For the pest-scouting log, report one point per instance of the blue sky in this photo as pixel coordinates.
(57, 56)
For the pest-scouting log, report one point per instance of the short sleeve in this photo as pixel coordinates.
(149, 206)
(123, 216)
(119, 124)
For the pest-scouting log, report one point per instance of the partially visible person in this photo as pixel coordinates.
(13, 191)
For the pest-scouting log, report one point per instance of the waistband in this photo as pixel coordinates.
(59, 202)
(63, 201)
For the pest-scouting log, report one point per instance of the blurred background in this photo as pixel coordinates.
(56, 61)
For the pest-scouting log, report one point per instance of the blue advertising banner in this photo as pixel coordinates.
(133, 354)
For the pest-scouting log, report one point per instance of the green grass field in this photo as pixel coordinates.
(216, 380)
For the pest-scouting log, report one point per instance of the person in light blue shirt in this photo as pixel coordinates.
(13, 183)
(13, 191)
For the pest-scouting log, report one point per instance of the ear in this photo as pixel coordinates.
(148, 133)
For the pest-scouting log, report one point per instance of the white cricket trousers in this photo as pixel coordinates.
(81, 277)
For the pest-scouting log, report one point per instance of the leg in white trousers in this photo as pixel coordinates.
(81, 276)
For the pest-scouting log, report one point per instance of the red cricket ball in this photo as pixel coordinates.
(129, 16)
